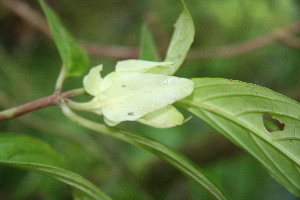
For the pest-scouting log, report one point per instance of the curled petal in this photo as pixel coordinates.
(165, 117)
(133, 65)
(92, 81)
(110, 122)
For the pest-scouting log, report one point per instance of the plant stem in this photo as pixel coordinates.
(175, 159)
(85, 106)
(60, 79)
(287, 35)
(51, 100)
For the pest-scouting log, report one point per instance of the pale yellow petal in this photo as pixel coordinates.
(92, 81)
(133, 95)
(165, 117)
(133, 65)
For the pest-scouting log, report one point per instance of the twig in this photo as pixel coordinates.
(24, 11)
(288, 39)
(37, 21)
(59, 129)
(232, 50)
(120, 52)
(51, 100)
(284, 35)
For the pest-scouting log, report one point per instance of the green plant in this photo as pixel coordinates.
(234, 108)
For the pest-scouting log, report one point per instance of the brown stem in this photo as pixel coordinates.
(31, 16)
(120, 52)
(288, 39)
(283, 35)
(51, 100)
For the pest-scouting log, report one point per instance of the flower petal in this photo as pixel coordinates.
(165, 117)
(110, 123)
(92, 81)
(133, 65)
(133, 95)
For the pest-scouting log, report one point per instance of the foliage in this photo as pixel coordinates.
(236, 109)
(33, 155)
(74, 58)
(258, 120)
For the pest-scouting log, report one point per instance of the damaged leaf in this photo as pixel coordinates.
(236, 109)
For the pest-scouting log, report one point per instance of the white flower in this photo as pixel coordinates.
(137, 92)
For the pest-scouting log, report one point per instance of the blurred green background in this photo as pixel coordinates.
(29, 64)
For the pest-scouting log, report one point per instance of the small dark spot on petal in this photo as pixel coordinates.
(123, 85)
(130, 113)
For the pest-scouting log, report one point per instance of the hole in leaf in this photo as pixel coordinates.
(271, 124)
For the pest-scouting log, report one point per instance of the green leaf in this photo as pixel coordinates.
(181, 41)
(148, 50)
(78, 195)
(236, 109)
(177, 160)
(33, 155)
(73, 56)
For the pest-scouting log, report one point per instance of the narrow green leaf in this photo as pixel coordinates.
(33, 155)
(73, 56)
(177, 160)
(78, 195)
(181, 41)
(148, 50)
(236, 109)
